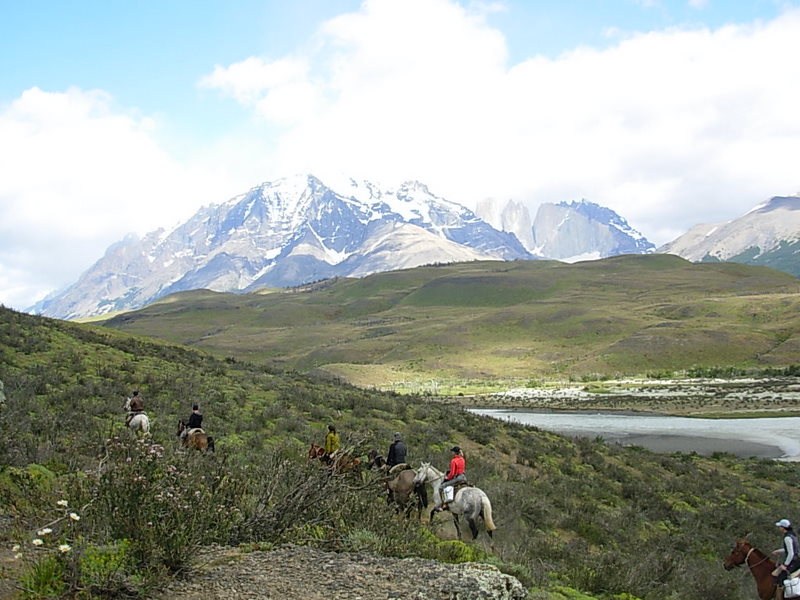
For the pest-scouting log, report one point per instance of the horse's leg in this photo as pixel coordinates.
(473, 527)
(458, 527)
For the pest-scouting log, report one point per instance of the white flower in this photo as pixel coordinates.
(44, 531)
(18, 555)
(37, 542)
(64, 548)
(16, 548)
(63, 503)
(74, 516)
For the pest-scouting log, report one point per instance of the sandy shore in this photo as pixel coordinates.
(700, 445)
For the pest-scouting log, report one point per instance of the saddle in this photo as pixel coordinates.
(455, 487)
(132, 414)
(399, 467)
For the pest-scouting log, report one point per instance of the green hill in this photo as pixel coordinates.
(611, 522)
(467, 324)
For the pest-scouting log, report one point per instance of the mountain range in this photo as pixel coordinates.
(567, 231)
(298, 230)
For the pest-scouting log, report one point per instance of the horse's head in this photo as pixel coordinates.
(181, 427)
(738, 556)
(316, 451)
(422, 473)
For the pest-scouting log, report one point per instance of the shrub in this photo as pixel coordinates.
(166, 506)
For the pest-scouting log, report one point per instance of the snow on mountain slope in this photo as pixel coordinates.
(283, 233)
(759, 231)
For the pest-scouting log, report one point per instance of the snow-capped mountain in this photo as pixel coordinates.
(567, 231)
(284, 233)
(582, 231)
(767, 235)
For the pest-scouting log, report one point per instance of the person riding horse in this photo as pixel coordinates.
(332, 444)
(791, 556)
(455, 474)
(135, 406)
(195, 421)
(397, 451)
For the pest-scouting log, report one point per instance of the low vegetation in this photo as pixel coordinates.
(475, 327)
(91, 511)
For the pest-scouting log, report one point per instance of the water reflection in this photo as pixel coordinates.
(774, 437)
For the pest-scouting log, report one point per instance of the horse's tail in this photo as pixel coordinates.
(486, 509)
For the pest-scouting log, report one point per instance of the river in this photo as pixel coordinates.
(773, 437)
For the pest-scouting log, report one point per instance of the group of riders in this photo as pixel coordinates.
(193, 424)
(396, 455)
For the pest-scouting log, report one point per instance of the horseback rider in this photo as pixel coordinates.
(332, 444)
(791, 556)
(455, 474)
(397, 451)
(195, 421)
(135, 406)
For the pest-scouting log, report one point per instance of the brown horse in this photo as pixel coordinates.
(316, 451)
(196, 439)
(760, 566)
(339, 462)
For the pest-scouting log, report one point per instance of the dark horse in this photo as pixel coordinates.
(376, 462)
(196, 438)
(760, 566)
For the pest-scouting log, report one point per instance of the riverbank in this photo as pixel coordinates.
(700, 445)
(708, 398)
(770, 437)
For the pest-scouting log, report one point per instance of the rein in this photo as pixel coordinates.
(746, 558)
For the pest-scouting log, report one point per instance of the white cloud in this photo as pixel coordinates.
(76, 177)
(668, 128)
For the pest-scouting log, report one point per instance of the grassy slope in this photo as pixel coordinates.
(520, 320)
(575, 513)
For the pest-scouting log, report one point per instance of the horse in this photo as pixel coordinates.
(760, 566)
(376, 462)
(468, 501)
(399, 486)
(339, 461)
(196, 438)
(316, 451)
(140, 422)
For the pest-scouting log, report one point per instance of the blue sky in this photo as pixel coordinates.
(119, 116)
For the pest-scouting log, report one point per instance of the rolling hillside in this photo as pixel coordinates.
(571, 514)
(473, 322)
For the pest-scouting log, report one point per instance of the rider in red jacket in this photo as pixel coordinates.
(455, 473)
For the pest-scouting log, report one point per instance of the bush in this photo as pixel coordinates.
(165, 506)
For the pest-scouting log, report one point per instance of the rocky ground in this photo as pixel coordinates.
(301, 572)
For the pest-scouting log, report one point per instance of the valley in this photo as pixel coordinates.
(479, 327)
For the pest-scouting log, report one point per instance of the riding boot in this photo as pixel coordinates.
(779, 592)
